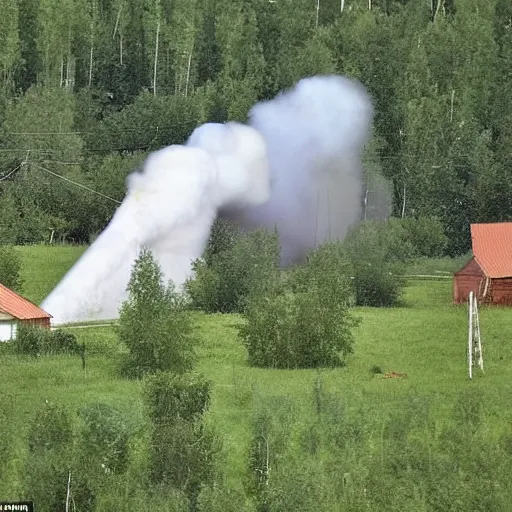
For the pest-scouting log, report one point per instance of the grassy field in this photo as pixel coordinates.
(426, 338)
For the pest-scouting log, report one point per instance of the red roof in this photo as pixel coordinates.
(18, 307)
(492, 248)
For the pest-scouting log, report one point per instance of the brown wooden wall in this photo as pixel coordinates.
(501, 291)
(463, 285)
(469, 278)
(40, 322)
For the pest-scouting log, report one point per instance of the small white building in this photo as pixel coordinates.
(15, 309)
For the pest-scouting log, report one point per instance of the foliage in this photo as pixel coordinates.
(7, 435)
(307, 329)
(50, 444)
(104, 437)
(183, 449)
(38, 341)
(10, 268)
(378, 252)
(223, 237)
(154, 323)
(427, 236)
(171, 397)
(237, 268)
(271, 430)
(80, 83)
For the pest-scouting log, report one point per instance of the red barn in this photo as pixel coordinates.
(15, 309)
(489, 273)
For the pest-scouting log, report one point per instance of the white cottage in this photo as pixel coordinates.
(15, 309)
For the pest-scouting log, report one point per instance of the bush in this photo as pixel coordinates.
(7, 436)
(170, 397)
(38, 341)
(182, 449)
(50, 444)
(104, 438)
(378, 252)
(183, 455)
(154, 323)
(426, 234)
(223, 237)
(247, 266)
(272, 424)
(308, 329)
(10, 268)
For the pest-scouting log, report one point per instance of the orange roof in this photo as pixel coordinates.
(492, 248)
(18, 307)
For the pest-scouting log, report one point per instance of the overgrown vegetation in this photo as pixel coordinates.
(237, 268)
(183, 449)
(154, 323)
(378, 253)
(309, 328)
(37, 341)
(49, 460)
(10, 268)
(337, 439)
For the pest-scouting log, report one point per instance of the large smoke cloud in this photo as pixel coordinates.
(296, 167)
(315, 134)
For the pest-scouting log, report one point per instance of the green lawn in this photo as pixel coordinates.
(426, 338)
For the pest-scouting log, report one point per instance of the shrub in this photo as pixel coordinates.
(223, 237)
(50, 429)
(60, 342)
(7, 436)
(182, 449)
(10, 268)
(427, 236)
(308, 329)
(104, 437)
(154, 323)
(183, 456)
(378, 252)
(37, 341)
(50, 444)
(272, 424)
(225, 281)
(171, 397)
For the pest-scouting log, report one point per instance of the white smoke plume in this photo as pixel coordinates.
(297, 167)
(170, 207)
(315, 133)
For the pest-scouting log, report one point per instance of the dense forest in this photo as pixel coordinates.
(88, 87)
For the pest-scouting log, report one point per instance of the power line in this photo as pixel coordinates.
(76, 183)
(10, 173)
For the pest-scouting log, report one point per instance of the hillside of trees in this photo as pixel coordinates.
(87, 88)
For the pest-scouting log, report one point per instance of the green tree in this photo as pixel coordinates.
(50, 445)
(227, 280)
(377, 252)
(183, 449)
(309, 328)
(154, 323)
(28, 30)
(10, 268)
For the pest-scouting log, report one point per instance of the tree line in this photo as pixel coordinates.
(88, 88)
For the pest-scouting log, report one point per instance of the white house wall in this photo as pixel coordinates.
(7, 330)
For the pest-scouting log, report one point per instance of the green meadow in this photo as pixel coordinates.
(425, 338)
